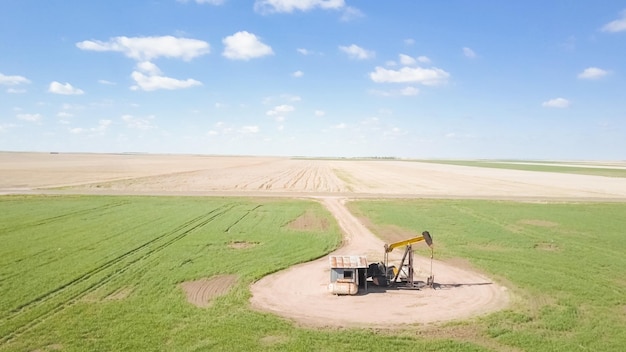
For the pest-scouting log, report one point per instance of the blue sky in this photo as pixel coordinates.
(415, 79)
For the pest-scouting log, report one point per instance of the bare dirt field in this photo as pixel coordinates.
(461, 293)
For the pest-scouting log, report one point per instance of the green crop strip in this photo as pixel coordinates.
(536, 166)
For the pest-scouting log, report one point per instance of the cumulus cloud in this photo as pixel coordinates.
(407, 60)
(288, 6)
(409, 91)
(280, 110)
(556, 103)
(425, 76)
(592, 73)
(304, 52)
(148, 77)
(138, 123)
(155, 82)
(105, 82)
(148, 68)
(245, 46)
(351, 13)
(101, 128)
(356, 52)
(320, 113)
(249, 129)
(618, 25)
(30, 117)
(65, 89)
(16, 90)
(149, 48)
(13, 80)
(469, 53)
(297, 74)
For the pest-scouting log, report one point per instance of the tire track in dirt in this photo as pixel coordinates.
(201, 292)
(63, 296)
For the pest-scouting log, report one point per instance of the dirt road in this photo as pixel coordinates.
(300, 293)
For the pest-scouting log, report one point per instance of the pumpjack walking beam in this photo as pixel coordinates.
(408, 252)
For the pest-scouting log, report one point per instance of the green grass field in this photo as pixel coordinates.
(581, 169)
(63, 257)
(565, 264)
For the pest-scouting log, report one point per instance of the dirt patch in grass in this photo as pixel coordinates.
(540, 223)
(273, 340)
(120, 294)
(547, 246)
(309, 222)
(242, 244)
(201, 292)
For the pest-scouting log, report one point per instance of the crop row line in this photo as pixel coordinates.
(40, 301)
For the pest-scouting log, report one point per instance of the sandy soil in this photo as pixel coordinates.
(300, 293)
(201, 292)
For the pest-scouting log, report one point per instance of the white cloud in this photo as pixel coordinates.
(409, 91)
(556, 103)
(102, 127)
(297, 74)
(65, 89)
(409, 41)
(245, 46)
(148, 48)
(592, 73)
(6, 127)
(351, 13)
(16, 90)
(305, 52)
(154, 82)
(30, 117)
(320, 113)
(469, 53)
(105, 82)
(13, 80)
(280, 110)
(406, 60)
(288, 6)
(148, 68)
(283, 97)
(423, 59)
(356, 52)
(138, 123)
(619, 25)
(425, 76)
(249, 129)
(340, 126)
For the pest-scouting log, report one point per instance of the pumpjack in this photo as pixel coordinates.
(383, 274)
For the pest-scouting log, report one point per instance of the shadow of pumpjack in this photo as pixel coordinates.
(418, 285)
